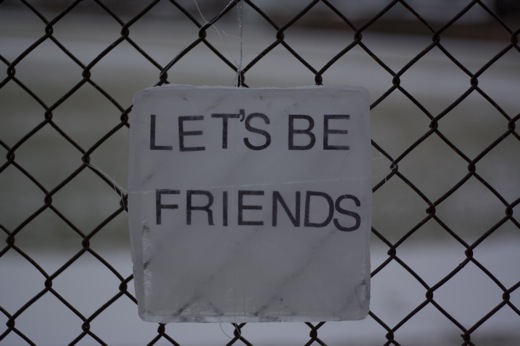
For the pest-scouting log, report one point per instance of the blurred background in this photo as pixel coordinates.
(444, 80)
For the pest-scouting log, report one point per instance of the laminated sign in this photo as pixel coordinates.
(250, 204)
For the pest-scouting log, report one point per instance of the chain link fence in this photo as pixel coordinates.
(444, 78)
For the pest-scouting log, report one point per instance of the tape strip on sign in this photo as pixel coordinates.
(250, 204)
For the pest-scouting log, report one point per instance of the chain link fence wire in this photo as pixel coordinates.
(444, 78)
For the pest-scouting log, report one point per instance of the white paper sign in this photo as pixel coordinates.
(250, 204)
